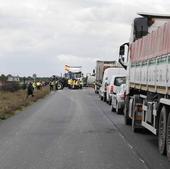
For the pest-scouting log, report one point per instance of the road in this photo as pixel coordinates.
(73, 129)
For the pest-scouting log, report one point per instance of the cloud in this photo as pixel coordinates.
(38, 34)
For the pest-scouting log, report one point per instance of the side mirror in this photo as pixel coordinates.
(122, 50)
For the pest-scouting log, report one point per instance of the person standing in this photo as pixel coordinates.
(51, 85)
(30, 90)
(56, 84)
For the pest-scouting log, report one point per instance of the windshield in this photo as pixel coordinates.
(120, 80)
(76, 75)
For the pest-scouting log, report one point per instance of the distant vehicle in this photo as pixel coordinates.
(108, 73)
(74, 76)
(100, 68)
(148, 83)
(118, 97)
(61, 81)
(91, 80)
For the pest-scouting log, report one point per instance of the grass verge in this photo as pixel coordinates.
(10, 102)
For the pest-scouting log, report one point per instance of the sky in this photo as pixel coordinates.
(41, 36)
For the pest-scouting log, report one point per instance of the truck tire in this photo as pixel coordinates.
(134, 127)
(60, 86)
(127, 120)
(118, 110)
(168, 137)
(162, 131)
(104, 97)
(112, 108)
(110, 101)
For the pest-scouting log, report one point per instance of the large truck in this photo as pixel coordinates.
(148, 64)
(74, 76)
(100, 68)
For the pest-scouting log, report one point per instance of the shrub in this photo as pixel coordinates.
(10, 86)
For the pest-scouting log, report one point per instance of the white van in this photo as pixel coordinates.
(108, 73)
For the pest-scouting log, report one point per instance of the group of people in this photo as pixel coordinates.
(53, 85)
(31, 86)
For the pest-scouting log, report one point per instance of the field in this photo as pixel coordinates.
(10, 102)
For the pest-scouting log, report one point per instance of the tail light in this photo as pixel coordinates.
(111, 89)
(122, 96)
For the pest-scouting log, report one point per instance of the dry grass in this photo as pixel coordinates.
(12, 101)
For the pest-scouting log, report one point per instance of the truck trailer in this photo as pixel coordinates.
(100, 68)
(148, 66)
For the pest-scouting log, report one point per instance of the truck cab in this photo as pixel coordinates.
(74, 76)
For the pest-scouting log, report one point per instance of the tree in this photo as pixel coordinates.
(3, 78)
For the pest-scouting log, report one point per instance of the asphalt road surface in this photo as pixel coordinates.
(73, 129)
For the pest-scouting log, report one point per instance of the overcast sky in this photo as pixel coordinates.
(41, 36)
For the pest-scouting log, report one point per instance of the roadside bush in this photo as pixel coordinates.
(12, 101)
(23, 86)
(11, 86)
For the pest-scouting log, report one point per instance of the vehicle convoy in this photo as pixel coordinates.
(100, 68)
(148, 81)
(74, 76)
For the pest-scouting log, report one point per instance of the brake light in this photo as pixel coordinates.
(122, 95)
(111, 89)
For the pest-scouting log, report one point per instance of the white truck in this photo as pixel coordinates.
(100, 68)
(148, 81)
(108, 74)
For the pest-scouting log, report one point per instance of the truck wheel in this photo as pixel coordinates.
(127, 120)
(112, 108)
(134, 128)
(60, 86)
(110, 102)
(118, 111)
(137, 100)
(168, 138)
(162, 131)
(104, 97)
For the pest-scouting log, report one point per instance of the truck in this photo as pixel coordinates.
(90, 79)
(147, 60)
(74, 77)
(100, 68)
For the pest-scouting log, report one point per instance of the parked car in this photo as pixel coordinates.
(118, 97)
(107, 77)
